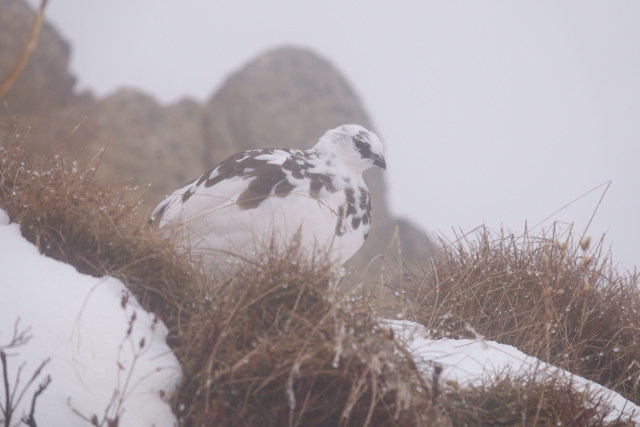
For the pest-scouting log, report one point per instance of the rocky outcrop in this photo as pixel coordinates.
(146, 143)
(287, 97)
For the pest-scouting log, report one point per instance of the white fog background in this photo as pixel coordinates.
(492, 112)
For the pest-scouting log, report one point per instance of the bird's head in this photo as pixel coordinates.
(354, 146)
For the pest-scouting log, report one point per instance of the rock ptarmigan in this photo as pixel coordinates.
(316, 195)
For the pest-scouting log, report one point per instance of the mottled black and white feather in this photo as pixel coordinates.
(258, 195)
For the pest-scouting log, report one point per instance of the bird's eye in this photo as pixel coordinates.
(359, 144)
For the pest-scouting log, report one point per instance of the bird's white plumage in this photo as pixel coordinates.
(260, 195)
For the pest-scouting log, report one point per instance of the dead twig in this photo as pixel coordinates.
(11, 401)
(7, 410)
(7, 83)
(30, 420)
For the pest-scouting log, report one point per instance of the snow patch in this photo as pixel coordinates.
(468, 362)
(107, 357)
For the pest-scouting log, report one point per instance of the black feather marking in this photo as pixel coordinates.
(361, 141)
(156, 217)
(319, 180)
(265, 179)
(355, 222)
(283, 188)
(187, 194)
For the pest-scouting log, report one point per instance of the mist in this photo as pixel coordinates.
(496, 113)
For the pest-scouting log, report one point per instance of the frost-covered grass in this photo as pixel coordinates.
(283, 343)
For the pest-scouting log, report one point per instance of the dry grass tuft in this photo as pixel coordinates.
(515, 401)
(284, 346)
(559, 300)
(69, 216)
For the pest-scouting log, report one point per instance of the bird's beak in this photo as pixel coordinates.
(379, 161)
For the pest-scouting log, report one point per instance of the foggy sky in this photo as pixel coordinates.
(494, 112)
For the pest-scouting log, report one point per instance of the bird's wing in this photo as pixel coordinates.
(243, 180)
